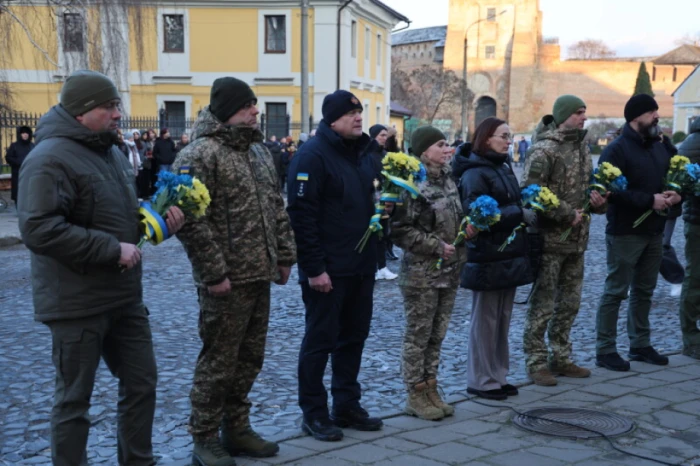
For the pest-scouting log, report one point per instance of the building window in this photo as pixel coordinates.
(379, 50)
(430, 54)
(653, 73)
(353, 38)
(490, 14)
(275, 34)
(675, 74)
(490, 52)
(379, 115)
(276, 121)
(368, 43)
(73, 32)
(174, 33)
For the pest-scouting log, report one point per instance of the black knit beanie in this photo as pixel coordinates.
(639, 105)
(375, 130)
(228, 96)
(85, 90)
(424, 137)
(337, 104)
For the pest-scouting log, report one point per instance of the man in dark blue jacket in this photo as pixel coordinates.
(330, 206)
(634, 254)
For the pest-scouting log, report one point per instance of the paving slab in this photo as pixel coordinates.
(453, 453)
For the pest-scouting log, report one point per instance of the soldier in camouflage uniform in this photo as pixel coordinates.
(242, 244)
(425, 228)
(560, 160)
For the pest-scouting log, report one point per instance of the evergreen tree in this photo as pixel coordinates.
(643, 84)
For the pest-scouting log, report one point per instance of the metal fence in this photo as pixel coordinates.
(281, 126)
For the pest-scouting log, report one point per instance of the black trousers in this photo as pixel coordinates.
(337, 324)
(123, 339)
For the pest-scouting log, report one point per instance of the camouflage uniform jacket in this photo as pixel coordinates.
(245, 233)
(560, 160)
(422, 226)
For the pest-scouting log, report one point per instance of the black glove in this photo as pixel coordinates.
(530, 217)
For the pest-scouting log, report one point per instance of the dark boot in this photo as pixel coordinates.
(247, 442)
(647, 354)
(355, 418)
(612, 361)
(322, 429)
(209, 452)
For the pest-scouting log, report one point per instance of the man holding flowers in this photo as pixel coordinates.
(634, 249)
(331, 202)
(561, 161)
(79, 217)
(237, 248)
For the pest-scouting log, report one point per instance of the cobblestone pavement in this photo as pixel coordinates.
(27, 375)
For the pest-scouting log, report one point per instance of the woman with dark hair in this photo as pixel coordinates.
(492, 275)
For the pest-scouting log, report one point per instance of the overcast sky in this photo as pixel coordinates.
(630, 27)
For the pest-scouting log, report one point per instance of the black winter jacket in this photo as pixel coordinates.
(15, 156)
(331, 201)
(77, 202)
(691, 149)
(164, 151)
(645, 164)
(488, 269)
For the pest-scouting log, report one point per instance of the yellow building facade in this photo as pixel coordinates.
(686, 102)
(165, 57)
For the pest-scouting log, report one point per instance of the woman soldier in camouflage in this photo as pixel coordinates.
(425, 228)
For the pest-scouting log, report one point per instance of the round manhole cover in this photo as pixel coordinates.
(573, 422)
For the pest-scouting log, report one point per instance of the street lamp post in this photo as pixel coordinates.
(464, 75)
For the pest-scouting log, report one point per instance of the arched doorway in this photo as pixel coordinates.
(485, 107)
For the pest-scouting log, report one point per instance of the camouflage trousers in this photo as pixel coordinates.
(233, 330)
(553, 308)
(428, 312)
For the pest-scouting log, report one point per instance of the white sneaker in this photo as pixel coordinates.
(385, 274)
(676, 290)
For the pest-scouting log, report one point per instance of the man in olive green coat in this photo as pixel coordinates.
(78, 214)
(243, 243)
(560, 160)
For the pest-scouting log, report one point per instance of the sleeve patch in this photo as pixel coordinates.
(184, 170)
(302, 177)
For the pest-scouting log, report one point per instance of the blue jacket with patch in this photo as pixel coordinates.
(331, 202)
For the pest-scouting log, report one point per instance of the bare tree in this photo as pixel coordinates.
(93, 34)
(429, 92)
(590, 49)
(690, 39)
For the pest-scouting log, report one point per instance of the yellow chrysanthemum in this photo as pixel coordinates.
(678, 162)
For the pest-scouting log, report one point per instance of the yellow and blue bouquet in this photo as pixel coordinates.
(678, 179)
(693, 170)
(536, 197)
(183, 191)
(483, 214)
(605, 178)
(401, 173)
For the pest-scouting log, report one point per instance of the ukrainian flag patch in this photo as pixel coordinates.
(184, 170)
(302, 177)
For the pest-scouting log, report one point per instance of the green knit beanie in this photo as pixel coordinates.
(85, 90)
(228, 96)
(565, 106)
(424, 137)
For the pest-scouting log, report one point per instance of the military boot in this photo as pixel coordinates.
(436, 400)
(246, 442)
(209, 452)
(419, 405)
